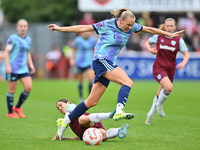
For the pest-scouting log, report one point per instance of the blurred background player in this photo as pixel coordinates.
(164, 66)
(114, 34)
(78, 126)
(82, 55)
(17, 52)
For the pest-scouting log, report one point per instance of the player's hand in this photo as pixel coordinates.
(175, 34)
(153, 51)
(72, 62)
(61, 131)
(32, 69)
(179, 66)
(61, 127)
(8, 69)
(53, 27)
(55, 137)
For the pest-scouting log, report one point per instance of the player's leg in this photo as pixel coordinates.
(95, 117)
(90, 74)
(27, 84)
(119, 76)
(97, 91)
(80, 85)
(114, 132)
(10, 98)
(163, 94)
(153, 107)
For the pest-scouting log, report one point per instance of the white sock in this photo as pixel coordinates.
(162, 97)
(119, 107)
(98, 117)
(112, 133)
(66, 120)
(153, 107)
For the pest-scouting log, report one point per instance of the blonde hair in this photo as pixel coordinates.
(21, 20)
(162, 26)
(122, 13)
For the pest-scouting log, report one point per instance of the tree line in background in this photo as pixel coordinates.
(64, 11)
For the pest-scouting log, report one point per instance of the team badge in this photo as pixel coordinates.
(159, 76)
(173, 43)
(162, 40)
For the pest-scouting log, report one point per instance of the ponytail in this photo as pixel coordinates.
(122, 13)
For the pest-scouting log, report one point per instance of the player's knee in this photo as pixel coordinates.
(81, 120)
(129, 83)
(90, 103)
(169, 88)
(28, 89)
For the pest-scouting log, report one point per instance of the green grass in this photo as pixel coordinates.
(180, 130)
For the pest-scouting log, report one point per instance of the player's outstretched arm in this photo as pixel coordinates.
(161, 32)
(75, 28)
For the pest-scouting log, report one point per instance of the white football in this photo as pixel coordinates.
(92, 136)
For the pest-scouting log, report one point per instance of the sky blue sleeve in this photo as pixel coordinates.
(182, 46)
(10, 40)
(153, 39)
(137, 27)
(100, 27)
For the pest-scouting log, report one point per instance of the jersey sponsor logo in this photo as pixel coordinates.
(165, 47)
(173, 43)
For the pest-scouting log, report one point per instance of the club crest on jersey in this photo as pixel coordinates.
(159, 76)
(162, 40)
(173, 43)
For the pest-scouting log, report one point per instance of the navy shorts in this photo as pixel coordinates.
(81, 70)
(14, 77)
(100, 66)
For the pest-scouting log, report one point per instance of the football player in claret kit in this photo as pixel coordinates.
(165, 64)
(85, 121)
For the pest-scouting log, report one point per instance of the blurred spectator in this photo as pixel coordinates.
(134, 42)
(67, 51)
(189, 24)
(2, 62)
(145, 37)
(53, 59)
(145, 20)
(195, 42)
(87, 19)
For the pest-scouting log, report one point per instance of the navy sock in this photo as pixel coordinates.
(78, 111)
(123, 94)
(22, 98)
(90, 87)
(10, 101)
(80, 89)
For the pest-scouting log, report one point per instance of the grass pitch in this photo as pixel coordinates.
(180, 130)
